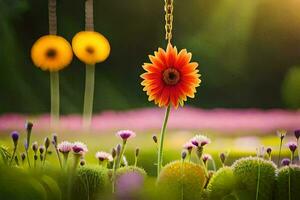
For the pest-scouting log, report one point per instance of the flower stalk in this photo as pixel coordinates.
(90, 70)
(161, 140)
(54, 75)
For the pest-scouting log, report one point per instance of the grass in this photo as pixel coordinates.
(237, 146)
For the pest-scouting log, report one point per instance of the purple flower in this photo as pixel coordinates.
(15, 137)
(200, 140)
(79, 148)
(297, 134)
(64, 147)
(292, 146)
(128, 185)
(285, 162)
(126, 134)
(188, 146)
(101, 156)
(206, 157)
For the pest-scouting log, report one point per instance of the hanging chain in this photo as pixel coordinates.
(89, 15)
(52, 17)
(169, 19)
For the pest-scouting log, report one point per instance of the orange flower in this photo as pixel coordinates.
(170, 77)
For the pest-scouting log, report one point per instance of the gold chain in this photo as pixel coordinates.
(169, 19)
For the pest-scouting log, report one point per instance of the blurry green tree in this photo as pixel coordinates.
(244, 48)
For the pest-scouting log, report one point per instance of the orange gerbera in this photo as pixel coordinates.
(170, 77)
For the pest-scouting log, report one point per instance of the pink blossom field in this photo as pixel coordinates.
(219, 120)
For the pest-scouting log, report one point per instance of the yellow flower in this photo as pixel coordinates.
(51, 52)
(90, 47)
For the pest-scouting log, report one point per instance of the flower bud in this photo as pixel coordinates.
(183, 155)
(47, 142)
(54, 140)
(154, 137)
(35, 147)
(137, 151)
(15, 137)
(113, 152)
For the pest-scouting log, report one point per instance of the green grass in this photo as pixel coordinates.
(235, 145)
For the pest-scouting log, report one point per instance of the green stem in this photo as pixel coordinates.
(292, 157)
(161, 140)
(258, 180)
(66, 155)
(279, 154)
(46, 152)
(59, 158)
(114, 176)
(54, 87)
(182, 177)
(120, 157)
(289, 183)
(88, 95)
(13, 155)
(27, 155)
(135, 161)
(298, 150)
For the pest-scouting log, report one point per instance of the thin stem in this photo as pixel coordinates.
(54, 87)
(292, 157)
(214, 164)
(114, 175)
(46, 152)
(182, 177)
(13, 155)
(119, 158)
(298, 150)
(88, 95)
(258, 180)
(54, 76)
(189, 156)
(59, 158)
(289, 183)
(161, 140)
(279, 154)
(135, 161)
(28, 160)
(66, 155)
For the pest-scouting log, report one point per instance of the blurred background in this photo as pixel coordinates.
(249, 52)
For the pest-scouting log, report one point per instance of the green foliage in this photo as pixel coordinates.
(17, 184)
(129, 169)
(222, 184)
(292, 172)
(246, 174)
(90, 182)
(291, 88)
(52, 188)
(184, 180)
(5, 154)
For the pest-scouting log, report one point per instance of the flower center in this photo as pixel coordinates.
(51, 53)
(90, 50)
(171, 76)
